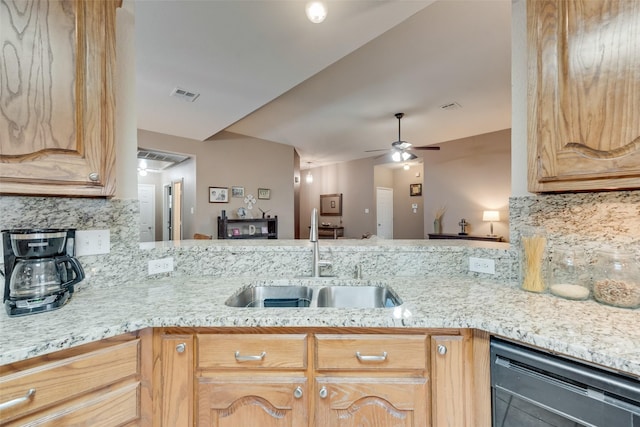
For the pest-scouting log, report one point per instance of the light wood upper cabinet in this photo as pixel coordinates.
(57, 97)
(584, 93)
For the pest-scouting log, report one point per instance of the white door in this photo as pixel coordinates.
(384, 212)
(147, 199)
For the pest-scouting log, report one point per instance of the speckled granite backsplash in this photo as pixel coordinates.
(588, 220)
(591, 221)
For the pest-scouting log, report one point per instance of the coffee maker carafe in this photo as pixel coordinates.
(40, 269)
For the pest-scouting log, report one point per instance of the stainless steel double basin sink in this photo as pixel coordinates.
(335, 296)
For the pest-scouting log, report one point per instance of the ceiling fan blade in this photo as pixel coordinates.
(428, 147)
(373, 151)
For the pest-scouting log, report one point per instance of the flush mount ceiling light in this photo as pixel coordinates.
(316, 11)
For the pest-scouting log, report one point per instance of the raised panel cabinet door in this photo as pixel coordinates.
(383, 402)
(57, 98)
(177, 380)
(448, 391)
(253, 401)
(584, 93)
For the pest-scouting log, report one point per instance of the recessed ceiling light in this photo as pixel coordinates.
(316, 11)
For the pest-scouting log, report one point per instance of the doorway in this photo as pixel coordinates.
(172, 210)
(384, 212)
(147, 199)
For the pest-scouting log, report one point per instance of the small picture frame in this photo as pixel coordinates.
(415, 189)
(218, 195)
(237, 191)
(264, 193)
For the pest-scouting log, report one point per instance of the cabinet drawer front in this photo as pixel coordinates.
(114, 408)
(65, 379)
(287, 351)
(371, 351)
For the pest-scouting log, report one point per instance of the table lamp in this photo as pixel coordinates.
(491, 216)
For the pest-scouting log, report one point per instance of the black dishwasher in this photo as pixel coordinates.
(532, 388)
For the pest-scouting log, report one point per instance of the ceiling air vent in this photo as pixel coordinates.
(184, 94)
(159, 160)
(450, 106)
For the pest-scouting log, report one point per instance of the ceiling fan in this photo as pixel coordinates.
(400, 149)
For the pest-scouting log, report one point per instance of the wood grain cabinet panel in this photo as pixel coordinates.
(268, 351)
(345, 401)
(91, 386)
(253, 401)
(584, 92)
(57, 97)
(358, 351)
(176, 380)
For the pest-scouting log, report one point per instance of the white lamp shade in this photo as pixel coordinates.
(491, 216)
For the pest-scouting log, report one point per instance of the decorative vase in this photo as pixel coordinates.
(437, 226)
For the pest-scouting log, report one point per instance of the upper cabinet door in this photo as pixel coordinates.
(584, 95)
(57, 97)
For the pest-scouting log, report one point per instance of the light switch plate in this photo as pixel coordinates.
(92, 242)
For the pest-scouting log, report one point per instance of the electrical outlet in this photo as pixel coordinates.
(482, 265)
(164, 265)
(92, 242)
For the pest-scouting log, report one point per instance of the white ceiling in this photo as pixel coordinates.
(331, 90)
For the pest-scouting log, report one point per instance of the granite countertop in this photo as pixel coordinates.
(585, 330)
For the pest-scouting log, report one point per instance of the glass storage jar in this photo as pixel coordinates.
(568, 277)
(616, 279)
(533, 243)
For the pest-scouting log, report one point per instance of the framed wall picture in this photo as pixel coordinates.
(331, 204)
(218, 195)
(237, 191)
(264, 193)
(415, 189)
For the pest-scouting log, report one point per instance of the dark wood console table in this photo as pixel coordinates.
(330, 232)
(465, 237)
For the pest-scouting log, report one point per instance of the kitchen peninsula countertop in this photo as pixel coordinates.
(585, 330)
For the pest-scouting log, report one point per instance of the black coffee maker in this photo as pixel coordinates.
(40, 269)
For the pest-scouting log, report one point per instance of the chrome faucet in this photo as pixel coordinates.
(313, 238)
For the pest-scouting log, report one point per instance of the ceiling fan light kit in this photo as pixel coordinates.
(399, 148)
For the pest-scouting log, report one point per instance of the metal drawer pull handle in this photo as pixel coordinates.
(297, 393)
(240, 358)
(364, 358)
(442, 349)
(323, 392)
(180, 348)
(18, 401)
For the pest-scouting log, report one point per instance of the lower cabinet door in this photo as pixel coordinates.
(253, 401)
(176, 381)
(389, 402)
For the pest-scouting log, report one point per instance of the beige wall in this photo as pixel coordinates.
(468, 176)
(406, 223)
(225, 161)
(354, 180)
